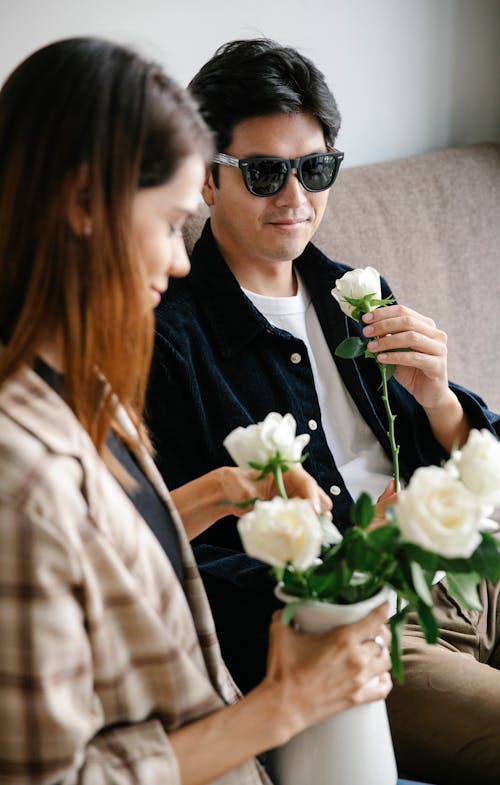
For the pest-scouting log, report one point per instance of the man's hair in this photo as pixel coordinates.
(85, 104)
(256, 77)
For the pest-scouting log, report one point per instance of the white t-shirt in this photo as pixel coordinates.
(358, 455)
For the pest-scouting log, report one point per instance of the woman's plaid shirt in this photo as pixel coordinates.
(102, 653)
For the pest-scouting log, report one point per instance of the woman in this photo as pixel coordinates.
(109, 666)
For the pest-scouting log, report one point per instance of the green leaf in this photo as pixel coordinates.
(331, 557)
(386, 301)
(264, 470)
(355, 301)
(361, 557)
(421, 583)
(463, 588)
(383, 536)
(360, 592)
(362, 511)
(330, 585)
(397, 624)
(486, 558)
(259, 466)
(427, 622)
(350, 348)
(294, 582)
(429, 561)
(453, 565)
(325, 585)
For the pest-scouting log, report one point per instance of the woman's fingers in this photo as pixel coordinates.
(328, 672)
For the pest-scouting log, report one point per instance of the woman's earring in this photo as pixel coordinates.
(87, 228)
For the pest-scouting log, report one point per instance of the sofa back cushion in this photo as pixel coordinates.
(430, 224)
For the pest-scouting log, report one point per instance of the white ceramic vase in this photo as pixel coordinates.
(354, 747)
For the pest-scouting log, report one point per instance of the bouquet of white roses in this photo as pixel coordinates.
(436, 525)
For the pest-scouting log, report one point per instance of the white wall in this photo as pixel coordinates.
(409, 75)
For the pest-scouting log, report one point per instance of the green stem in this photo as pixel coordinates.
(278, 478)
(390, 433)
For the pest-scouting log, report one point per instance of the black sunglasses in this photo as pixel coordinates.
(266, 176)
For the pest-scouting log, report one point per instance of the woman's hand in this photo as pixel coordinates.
(203, 501)
(309, 677)
(322, 674)
(298, 484)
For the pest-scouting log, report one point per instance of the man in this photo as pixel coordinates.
(253, 329)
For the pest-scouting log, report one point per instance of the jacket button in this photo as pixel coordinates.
(295, 358)
(335, 490)
(312, 425)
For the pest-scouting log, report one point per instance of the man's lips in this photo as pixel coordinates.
(288, 227)
(291, 222)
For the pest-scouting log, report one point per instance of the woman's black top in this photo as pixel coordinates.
(143, 495)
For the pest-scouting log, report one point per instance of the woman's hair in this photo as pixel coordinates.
(85, 105)
(256, 77)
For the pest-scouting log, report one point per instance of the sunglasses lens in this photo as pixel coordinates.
(318, 171)
(265, 176)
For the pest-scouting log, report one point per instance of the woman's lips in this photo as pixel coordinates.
(155, 295)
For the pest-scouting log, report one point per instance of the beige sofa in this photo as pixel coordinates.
(431, 225)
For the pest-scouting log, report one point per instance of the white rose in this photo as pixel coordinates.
(438, 513)
(356, 284)
(245, 445)
(282, 531)
(260, 443)
(478, 465)
(331, 535)
(278, 434)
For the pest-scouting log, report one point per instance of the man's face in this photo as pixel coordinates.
(253, 230)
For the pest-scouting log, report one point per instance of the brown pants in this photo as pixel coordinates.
(445, 718)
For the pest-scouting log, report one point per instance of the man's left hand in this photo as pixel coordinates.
(417, 348)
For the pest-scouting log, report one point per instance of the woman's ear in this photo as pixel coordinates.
(208, 189)
(77, 202)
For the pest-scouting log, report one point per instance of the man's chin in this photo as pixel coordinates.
(290, 250)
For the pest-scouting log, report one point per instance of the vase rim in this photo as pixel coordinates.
(382, 593)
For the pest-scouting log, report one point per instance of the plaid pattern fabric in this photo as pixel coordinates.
(102, 653)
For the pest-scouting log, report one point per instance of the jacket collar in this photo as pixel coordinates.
(30, 402)
(237, 323)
